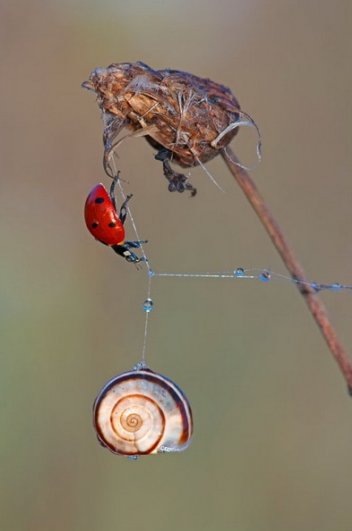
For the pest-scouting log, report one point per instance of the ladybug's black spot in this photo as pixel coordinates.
(99, 200)
(94, 225)
(112, 224)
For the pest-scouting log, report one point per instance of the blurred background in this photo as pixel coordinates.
(273, 430)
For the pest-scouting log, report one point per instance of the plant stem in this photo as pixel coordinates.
(315, 305)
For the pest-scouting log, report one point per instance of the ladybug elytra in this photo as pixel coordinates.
(106, 225)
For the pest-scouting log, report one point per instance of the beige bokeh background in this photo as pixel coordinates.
(273, 421)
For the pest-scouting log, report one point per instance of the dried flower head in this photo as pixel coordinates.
(188, 119)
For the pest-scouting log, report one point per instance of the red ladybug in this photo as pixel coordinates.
(106, 225)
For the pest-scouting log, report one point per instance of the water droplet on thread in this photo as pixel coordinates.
(140, 366)
(148, 305)
(336, 286)
(239, 272)
(265, 276)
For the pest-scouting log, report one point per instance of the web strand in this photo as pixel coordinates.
(148, 303)
(240, 273)
(130, 215)
(148, 306)
(263, 275)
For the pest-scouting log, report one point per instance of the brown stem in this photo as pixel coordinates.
(315, 305)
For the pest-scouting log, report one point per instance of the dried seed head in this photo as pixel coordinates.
(191, 117)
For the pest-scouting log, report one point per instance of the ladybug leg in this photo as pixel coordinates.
(177, 181)
(123, 209)
(135, 244)
(123, 250)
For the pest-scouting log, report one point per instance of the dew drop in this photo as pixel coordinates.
(148, 305)
(265, 276)
(140, 366)
(336, 286)
(239, 272)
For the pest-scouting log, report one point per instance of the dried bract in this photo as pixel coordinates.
(188, 119)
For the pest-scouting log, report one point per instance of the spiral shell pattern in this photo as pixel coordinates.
(142, 412)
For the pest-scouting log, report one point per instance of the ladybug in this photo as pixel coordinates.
(106, 225)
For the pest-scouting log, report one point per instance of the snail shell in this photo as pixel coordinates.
(142, 412)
